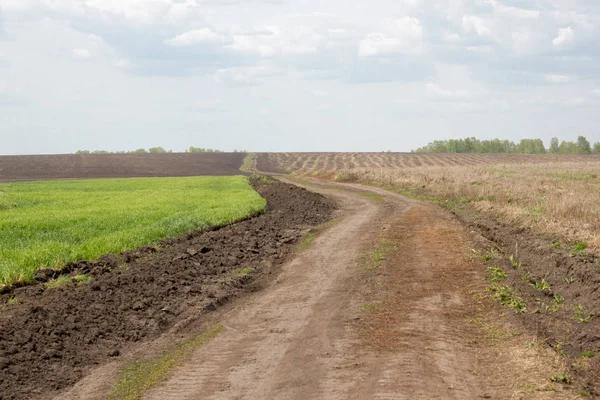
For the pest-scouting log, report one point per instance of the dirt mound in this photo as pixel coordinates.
(86, 166)
(50, 338)
(556, 289)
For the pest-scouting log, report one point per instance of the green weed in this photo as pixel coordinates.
(542, 286)
(579, 249)
(370, 307)
(82, 278)
(496, 274)
(558, 299)
(141, 376)
(58, 282)
(508, 297)
(587, 354)
(244, 272)
(583, 316)
(516, 264)
(570, 279)
(561, 379)
(371, 196)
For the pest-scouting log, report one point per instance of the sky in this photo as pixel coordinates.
(294, 75)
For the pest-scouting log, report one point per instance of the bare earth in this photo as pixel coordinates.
(335, 326)
(385, 304)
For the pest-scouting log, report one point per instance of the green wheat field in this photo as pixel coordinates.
(48, 224)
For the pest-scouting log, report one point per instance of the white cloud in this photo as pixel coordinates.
(268, 41)
(567, 17)
(81, 54)
(514, 12)
(437, 91)
(404, 35)
(145, 11)
(552, 78)
(475, 24)
(480, 49)
(379, 44)
(565, 36)
(451, 37)
(596, 92)
(198, 36)
(123, 63)
(243, 76)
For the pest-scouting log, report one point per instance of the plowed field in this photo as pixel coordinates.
(87, 166)
(306, 163)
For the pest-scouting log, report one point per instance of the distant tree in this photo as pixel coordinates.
(583, 145)
(193, 149)
(82, 152)
(568, 148)
(155, 150)
(554, 145)
(100, 152)
(596, 149)
(140, 151)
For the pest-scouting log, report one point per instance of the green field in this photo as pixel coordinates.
(48, 224)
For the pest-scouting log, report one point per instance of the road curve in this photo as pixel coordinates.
(298, 338)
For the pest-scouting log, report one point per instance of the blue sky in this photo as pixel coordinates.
(290, 75)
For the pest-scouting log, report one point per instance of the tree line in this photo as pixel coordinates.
(156, 150)
(524, 146)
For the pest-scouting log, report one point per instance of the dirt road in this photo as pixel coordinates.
(383, 304)
(334, 326)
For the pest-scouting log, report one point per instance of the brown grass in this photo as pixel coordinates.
(558, 199)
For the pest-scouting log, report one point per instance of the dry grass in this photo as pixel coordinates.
(556, 199)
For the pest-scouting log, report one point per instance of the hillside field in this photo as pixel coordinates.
(554, 195)
(48, 224)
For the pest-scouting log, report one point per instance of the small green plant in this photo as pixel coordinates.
(12, 300)
(582, 316)
(561, 379)
(525, 277)
(370, 307)
(242, 272)
(542, 286)
(82, 278)
(579, 249)
(556, 245)
(516, 264)
(587, 354)
(490, 255)
(558, 299)
(58, 282)
(508, 297)
(570, 279)
(496, 274)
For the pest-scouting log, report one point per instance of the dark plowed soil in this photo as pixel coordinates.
(86, 166)
(266, 163)
(560, 289)
(50, 338)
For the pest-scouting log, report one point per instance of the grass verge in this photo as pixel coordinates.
(249, 163)
(141, 376)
